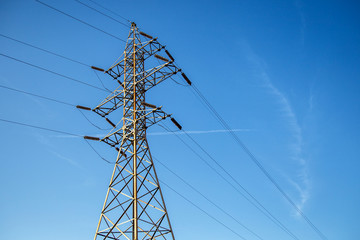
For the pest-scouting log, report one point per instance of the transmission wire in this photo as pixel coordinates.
(101, 81)
(237, 182)
(58, 55)
(50, 71)
(57, 131)
(110, 10)
(72, 134)
(256, 161)
(79, 20)
(92, 122)
(184, 85)
(217, 206)
(42, 128)
(39, 96)
(98, 153)
(209, 106)
(202, 210)
(263, 210)
(218, 117)
(58, 101)
(44, 50)
(54, 100)
(102, 13)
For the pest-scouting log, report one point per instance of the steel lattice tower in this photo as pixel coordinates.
(134, 206)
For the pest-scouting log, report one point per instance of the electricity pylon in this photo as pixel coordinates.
(134, 206)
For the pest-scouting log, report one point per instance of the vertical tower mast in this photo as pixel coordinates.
(134, 206)
(135, 216)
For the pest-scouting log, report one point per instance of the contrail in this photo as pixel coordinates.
(174, 132)
(200, 132)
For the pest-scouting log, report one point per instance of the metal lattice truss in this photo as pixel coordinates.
(134, 207)
(117, 135)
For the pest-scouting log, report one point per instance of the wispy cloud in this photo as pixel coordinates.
(200, 132)
(299, 7)
(50, 146)
(66, 159)
(302, 182)
(170, 133)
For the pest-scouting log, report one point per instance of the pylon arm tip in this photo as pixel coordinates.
(146, 35)
(186, 78)
(83, 108)
(91, 138)
(148, 105)
(176, 123)
(98, 69)
(171, 57)
(162, 58)
(110, 122)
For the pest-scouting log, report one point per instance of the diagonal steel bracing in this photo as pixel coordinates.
(134, 207)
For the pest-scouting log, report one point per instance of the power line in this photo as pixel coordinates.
(110, 10)
(51, 99)
(54, 100)
(81, 21)
(218, 117)
(42, 128)
(184, 85)
(237, 182)
(97, 153)
(56, 54)
(44, 50)
(262, 209)
(50, 71)
(101, 81)
(256, 161)
(39, 96)
(202, 210)
(188, 199)
(217, 206)
(72, 134)
(56, 131)
(92, 122)
(102, 13)
(209, 106)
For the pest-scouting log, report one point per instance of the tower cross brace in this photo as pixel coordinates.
(134, 207)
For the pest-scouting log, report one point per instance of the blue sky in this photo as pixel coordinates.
(283, 74)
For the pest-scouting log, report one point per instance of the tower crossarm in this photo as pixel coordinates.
(113, 139)
(110, 103)
(158, 74)
(148, 49)
(117, 70)
(151, 48)
(151, 117)
(155, 116)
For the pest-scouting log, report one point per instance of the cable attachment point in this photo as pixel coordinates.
(148, 105)
(146, 35)
(98, 69)
(186, 78)
(92, 138)
(162, 58)
(171, 57)
(176, 123)
(121, 152)
(110, 122)
(83, 108)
